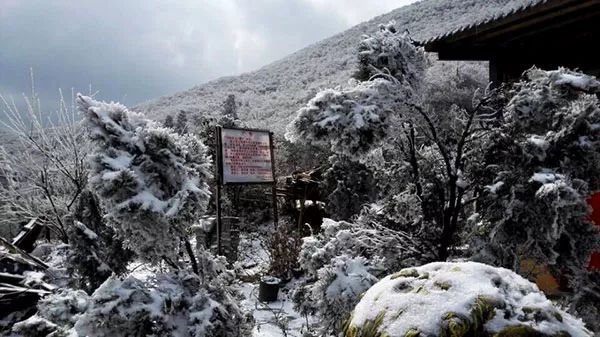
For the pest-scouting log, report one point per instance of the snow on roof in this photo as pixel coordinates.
(493, 18)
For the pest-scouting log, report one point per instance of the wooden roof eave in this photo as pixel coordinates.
(479, 42)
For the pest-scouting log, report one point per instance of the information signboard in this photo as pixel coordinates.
(246, 156)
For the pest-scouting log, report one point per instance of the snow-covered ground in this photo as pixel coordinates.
(276, 318)
(273, 319)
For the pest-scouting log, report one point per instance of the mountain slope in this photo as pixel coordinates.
(269, 97)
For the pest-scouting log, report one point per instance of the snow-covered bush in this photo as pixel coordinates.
(181, 123)
(163, 305)
(459, 299)
(57, 314)
(349, 185)
(94, 252)
(85, 267)
(291, 157)
(283, 248)
(401, 212)
(338, 288)
(36, 326)
(152, 181)
(345, 259)
(584, 303)
(539, 169)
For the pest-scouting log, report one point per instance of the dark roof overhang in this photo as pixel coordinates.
(540, 26)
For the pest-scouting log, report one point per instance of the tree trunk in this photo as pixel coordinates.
(188, 248)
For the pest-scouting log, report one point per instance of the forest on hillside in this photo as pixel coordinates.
(269, 97)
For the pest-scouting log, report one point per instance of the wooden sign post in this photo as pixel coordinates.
(244, 157)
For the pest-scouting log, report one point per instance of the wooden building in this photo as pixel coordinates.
(544, 33)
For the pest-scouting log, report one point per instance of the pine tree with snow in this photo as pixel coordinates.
(169, 122)
(181, 123)
(229, 107)
(152, 182)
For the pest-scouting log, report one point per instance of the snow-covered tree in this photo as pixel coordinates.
(389, 53)
(153, 182)
(539, 169)
(181, 123)
(56, 316)
(427, 138)
(351, 121)
(459, 299)
(230, 107)
(181, 304)
(169, 122)
(42, 163)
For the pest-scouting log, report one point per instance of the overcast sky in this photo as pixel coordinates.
(135, 50)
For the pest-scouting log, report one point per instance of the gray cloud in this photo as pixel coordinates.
(134, 50)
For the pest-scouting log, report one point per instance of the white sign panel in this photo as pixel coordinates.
(246, 156)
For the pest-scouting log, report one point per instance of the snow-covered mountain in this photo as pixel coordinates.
(269, 96)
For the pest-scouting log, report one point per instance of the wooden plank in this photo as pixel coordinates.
(26, 256)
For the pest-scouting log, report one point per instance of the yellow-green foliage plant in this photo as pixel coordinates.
(462, 299)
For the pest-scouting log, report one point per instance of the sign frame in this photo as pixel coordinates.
(219, 155)
(221, 184)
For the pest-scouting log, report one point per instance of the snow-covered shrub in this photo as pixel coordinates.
(85, 267)
(152, 181)
(57, 314)
(181, 123)
(539, 169)
(338, 288)
(94, 251)
(283, 247)
(459, 299)
(584, 303)
(349, 185)
(63, 307)
(403, 212)
(343, 260)
(36, 326)
(163, 305)
(291, 157)
(169, 122)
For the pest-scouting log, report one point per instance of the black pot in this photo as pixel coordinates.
(268, 289)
